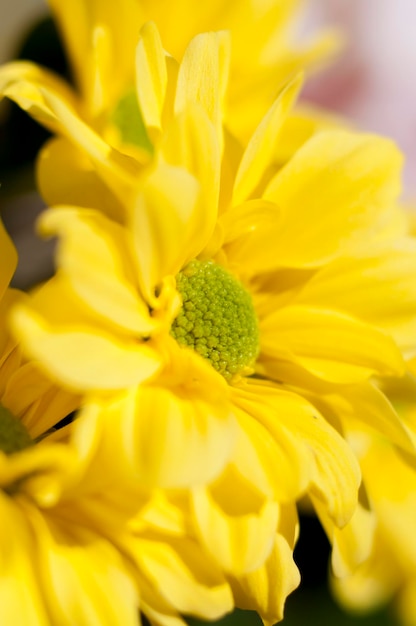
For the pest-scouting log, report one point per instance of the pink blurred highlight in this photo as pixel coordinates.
(374, 80)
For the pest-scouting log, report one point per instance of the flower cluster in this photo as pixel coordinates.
(229, 328)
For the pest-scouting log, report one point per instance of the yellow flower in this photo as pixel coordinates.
(101, 40)
(70, 553)
(292, 285)
(114, 57)
(118, 311)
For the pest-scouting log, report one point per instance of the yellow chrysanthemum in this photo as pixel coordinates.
(101, 39)
(77, 546)
(113, 58)
(128, 302)
(210, 338)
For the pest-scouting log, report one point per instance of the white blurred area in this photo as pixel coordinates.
(374, 80)
(16, 18)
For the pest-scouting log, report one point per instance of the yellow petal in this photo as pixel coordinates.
(379, 288)
(331, 466)
(164, 219)
(261, 149)
(235, 524)
(169, 436)
(91, 254)
(87, 585)
(210, 51)
(8, 259)
(191, 143)
(65, 175)
(52, 104)
(99, 77)
(151, 75)
(329, 344)
(334, 189)
(181, 574)
(351, 545)
(21, 597)
(281, 458)
(81, 358)
(265, 589)
(367, 404)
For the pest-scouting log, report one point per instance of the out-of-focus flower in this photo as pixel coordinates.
(389, 478)
(101, 39)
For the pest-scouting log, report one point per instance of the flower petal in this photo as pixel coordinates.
(379, 288)
(235, 525)
(329, 344)
(65, 175)
(164, 218)
(181, 573)
(80, 358)
(52, 104)
(151, 76)
(168, 436)
(265, 589)
(331, 195)
(8, 259)
(331, 466)
(260, 151)
(91, 254)
(210, 51)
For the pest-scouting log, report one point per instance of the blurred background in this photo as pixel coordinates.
(373, 82)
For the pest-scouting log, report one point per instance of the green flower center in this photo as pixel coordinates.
(128, 119)
(13, 435)
(217, 318)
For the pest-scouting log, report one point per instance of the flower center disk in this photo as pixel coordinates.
(13, 435)
(217, 318)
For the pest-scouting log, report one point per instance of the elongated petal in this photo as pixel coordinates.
(378, 288)
(183, 575)
(91, 253)
(331, 345)
(281, 460)
(351, 545)
(78, 580)
(120, 24)
(54, 106)
(210, 51)
(151, 76)
(83, 359)
(65, 175)
(334, 189)
(259, 154)
(367, 404)
(330, 463)
(191, 143)
(165, 215)
(168, 437)
(265, 589)
(235, 525)
(8, 259)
